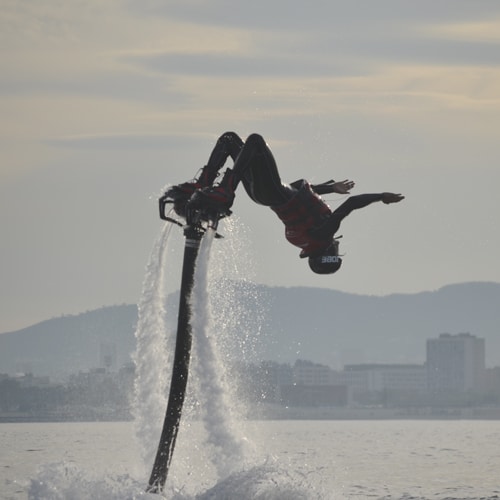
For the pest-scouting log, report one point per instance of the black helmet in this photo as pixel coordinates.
(327, 263)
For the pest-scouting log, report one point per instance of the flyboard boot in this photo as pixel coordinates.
(180, 194)
(216, 199)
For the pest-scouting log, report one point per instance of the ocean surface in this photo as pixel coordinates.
(285, 460)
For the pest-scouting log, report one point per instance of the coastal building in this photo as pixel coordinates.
(311, 385)
(309, 373)
(455, 363)
(373, 378)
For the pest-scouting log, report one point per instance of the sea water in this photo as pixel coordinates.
(324, 459)
(219, 455)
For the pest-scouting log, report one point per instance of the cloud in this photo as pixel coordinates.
(122, 142)
(297, 15)
(475, 31)
(245, 66)
(111, 84)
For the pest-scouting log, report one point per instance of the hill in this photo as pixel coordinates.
(321, 325)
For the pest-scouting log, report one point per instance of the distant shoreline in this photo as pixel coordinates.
(272, 412)
(375, 413)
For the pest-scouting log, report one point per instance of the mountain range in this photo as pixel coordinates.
(281, 324)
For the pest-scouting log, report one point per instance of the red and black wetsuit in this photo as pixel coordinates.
(309, 222)
(304, 211)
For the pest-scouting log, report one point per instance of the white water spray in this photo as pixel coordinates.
(237, 478)
(228, 449)
(151, 355)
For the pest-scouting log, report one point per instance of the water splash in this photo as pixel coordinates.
(239, 311)
(228, 447)
(63, 481)
(151, 358)
(264, 482)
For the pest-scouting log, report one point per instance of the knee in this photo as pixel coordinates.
(231, 136)
(255, 140)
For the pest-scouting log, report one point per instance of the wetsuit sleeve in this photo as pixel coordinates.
(354, 203)
(324, 187)
(332, 224)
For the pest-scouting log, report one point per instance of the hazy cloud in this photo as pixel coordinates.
(122, 142)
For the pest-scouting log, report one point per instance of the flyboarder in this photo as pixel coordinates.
(309, 222)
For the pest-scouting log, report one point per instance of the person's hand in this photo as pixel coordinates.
(343, 187)
(392, 198)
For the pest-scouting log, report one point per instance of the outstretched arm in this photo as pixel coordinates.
(330, 227)
(363, 200)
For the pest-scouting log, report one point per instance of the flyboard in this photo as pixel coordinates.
(198, 220)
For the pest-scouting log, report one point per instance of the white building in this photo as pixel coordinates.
(455, 363)
(309, 373)
(371, 378)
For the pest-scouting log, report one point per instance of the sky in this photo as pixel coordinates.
(105, 102)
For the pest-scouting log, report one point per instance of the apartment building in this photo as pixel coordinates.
(455, 363)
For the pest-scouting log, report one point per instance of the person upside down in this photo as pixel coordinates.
(309, 222)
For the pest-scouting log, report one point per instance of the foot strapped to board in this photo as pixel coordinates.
(179, 196)
(198, 210)
(216, 200)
